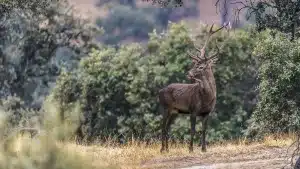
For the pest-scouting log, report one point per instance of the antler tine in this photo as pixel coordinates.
(215, 54)
(219, 29)
(199, 50)
(211, 32)
(193, 57)
(225, 25)
(202, 51)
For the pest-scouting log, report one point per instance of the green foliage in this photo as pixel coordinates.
(37, 40)
(280, 15)
(279, 74)
(7, 6)
(117, 89)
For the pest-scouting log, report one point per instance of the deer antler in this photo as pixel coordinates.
(210, 33)
(202, 50)
(215, 54)
(193, 57)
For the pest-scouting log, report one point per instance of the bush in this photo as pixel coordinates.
(279, 74)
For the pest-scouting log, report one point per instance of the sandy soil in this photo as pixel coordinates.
(258, 158)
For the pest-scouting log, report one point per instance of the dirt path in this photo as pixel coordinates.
(254, 164)
(255, 158)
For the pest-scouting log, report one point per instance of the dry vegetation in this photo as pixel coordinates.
(139, 155)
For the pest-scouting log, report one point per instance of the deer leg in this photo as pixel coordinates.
(170, 120)
(204, 127)
(164, 130)
(193, 124)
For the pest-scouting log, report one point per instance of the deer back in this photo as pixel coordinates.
(179, 96)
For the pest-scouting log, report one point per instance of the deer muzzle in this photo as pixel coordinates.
(190, 75)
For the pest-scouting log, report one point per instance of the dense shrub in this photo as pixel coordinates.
(279, 74)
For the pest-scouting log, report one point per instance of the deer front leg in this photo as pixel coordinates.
(204, 127)
(193, 124)
(170, 120)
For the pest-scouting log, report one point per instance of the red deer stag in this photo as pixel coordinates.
(196, 99)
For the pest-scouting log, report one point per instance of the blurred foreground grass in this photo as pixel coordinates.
(18, 150)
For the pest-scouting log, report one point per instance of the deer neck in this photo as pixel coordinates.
(208, 82)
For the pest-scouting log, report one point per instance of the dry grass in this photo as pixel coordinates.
(279, 141)
(135, 154)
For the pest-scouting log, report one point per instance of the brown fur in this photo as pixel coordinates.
(196, 99)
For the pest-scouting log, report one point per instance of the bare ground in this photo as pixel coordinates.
(256, 158)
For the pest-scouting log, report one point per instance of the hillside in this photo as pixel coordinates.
(88, 9)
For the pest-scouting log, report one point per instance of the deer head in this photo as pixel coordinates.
(202, 64)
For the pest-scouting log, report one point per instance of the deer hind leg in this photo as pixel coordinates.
(165, 119)
(193, 124)
(204, 127)
(170, 120)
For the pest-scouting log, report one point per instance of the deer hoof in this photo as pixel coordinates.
(203, 149)
(164, 150)
(191, 150)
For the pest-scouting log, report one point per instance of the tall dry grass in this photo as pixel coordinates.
(135, 154)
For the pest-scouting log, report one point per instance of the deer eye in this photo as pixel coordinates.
(200, 67)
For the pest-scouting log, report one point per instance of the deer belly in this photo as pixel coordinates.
(181, 106)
